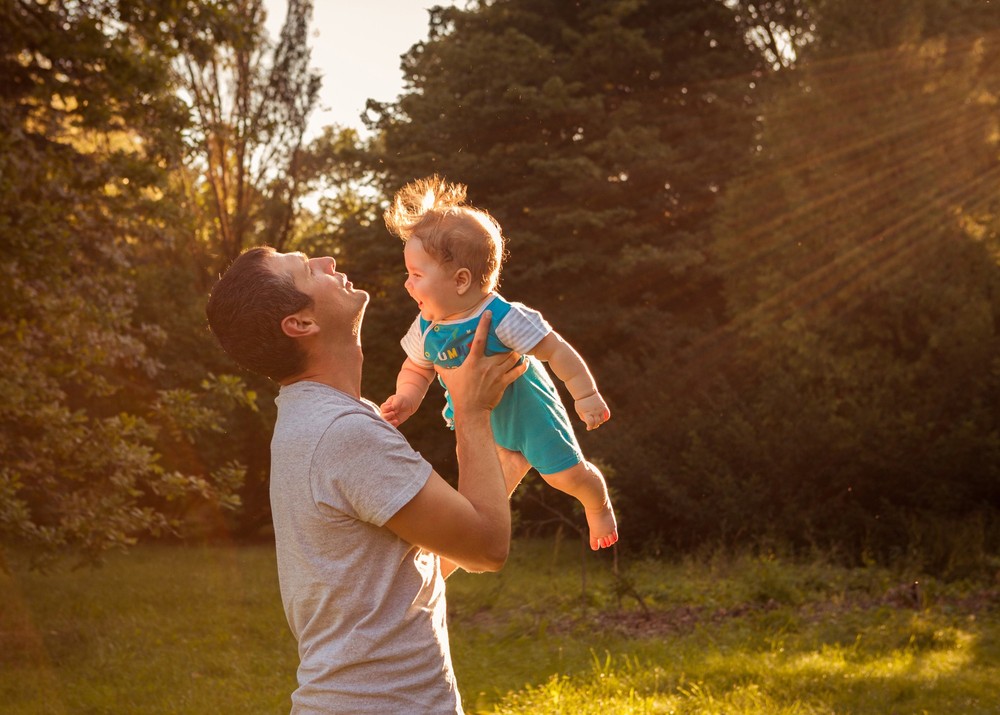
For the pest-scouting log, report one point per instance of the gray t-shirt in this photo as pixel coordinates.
(367, 608)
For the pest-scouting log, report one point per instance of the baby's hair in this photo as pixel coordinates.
(435, 211)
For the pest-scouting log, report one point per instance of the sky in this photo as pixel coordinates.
(356, 46)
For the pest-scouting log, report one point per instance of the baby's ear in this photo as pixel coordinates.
(463, 280)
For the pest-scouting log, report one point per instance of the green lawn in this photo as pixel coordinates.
(200, 630)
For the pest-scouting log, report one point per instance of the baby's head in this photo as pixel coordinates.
(450, 231)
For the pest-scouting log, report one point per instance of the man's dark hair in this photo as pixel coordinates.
(245, 311)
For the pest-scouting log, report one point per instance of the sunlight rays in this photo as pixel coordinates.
(883, 160)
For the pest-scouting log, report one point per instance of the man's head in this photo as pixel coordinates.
(246, 309)
(273, 312)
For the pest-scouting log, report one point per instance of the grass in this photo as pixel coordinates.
(159, 630)
(200, 630)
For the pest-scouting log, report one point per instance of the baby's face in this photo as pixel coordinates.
(431, 284)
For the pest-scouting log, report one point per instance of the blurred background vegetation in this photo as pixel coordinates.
(770, 227)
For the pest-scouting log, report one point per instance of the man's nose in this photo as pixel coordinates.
(327, 263)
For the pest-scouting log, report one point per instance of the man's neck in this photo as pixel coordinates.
(339, 369)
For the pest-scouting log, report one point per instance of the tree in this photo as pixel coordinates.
(607, 125)
(88, 128)
(250, 102)
(859, 258)
(762, 223)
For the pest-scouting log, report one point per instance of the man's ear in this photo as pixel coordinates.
(299, 325)
(463, 280)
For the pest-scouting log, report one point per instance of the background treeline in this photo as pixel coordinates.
(770, 227)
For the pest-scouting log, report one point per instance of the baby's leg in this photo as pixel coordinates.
(585, 482)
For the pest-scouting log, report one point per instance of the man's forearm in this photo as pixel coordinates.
(481, 507)
(514, 467)
(481, 481)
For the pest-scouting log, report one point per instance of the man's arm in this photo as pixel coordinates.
(569, 367)
(470, 526)
(514, 466)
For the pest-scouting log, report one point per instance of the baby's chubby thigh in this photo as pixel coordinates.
(532, 420)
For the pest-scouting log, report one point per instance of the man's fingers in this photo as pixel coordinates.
(512, 372)
(481, 380)
(482, 331)
(510, 361)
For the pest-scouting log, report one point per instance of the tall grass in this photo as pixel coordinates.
(200, 630)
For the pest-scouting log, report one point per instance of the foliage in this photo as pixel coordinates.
(607, 127)
(770, 228)
(81, 181)
(243, 178)
(859, 255)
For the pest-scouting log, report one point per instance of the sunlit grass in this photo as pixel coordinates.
(200, 630)
(161, 630)
(808, 678)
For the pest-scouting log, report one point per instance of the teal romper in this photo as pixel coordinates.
(530, 418)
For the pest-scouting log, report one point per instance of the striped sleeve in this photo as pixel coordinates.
(413, 345)
(522, 328)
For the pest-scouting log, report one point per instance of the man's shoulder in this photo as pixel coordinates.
(331, 428)
(312, 408)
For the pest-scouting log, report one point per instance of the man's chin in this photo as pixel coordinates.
(359, 316)
(364, 299)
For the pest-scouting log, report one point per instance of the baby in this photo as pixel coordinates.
(453, 254)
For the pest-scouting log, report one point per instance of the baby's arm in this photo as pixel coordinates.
(569, 367)
(411, 386)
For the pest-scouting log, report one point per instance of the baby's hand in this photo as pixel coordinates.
(397, 409)
(593, 410)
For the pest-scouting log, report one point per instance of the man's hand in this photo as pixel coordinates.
(593, 410)
(397, 409)
(479, 382)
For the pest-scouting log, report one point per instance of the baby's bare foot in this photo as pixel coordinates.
(603, 528)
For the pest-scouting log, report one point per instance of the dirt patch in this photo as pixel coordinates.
(684, 619)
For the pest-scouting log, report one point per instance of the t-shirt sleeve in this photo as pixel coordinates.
(363, 467)
(413, 344)
(522, 328)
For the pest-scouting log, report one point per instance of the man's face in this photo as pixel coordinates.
(333, 295)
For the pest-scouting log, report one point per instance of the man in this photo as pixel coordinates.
(365, 529)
